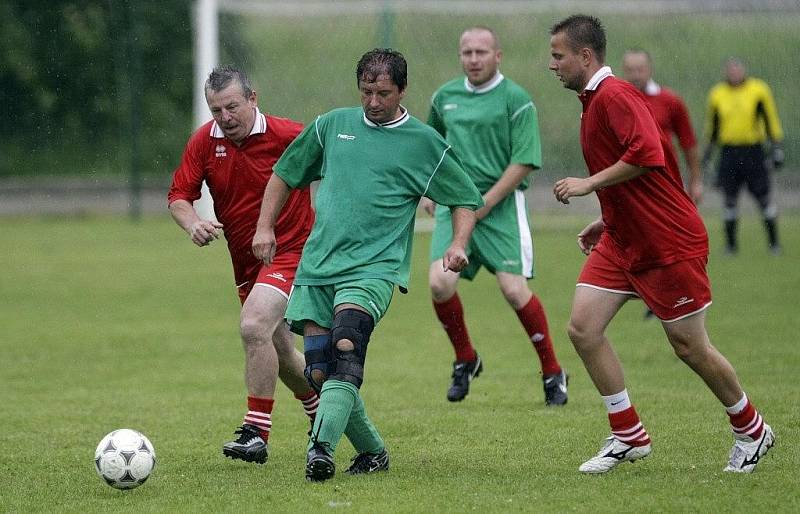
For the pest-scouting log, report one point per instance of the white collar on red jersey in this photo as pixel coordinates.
(404, 117)
(599, 76)
(259, 127)
(485, 87)
(652, 88)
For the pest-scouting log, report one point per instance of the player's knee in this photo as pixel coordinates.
(319, 359)
(517, 296)
(579, 333)
(441, 289)
(351, 330)
(252, 330)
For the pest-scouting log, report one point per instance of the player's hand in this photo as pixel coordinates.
(568, 187)
(696, 191)
(777, 156)
(428, 205)
(264, 245)
(454, 259)
(203, 232)
(590, 236)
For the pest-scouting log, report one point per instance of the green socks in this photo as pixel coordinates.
(341, 410)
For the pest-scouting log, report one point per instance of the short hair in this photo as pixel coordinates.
(379, 61)
(583, 31)
(491, 31)
(640, 51)
(222, 76)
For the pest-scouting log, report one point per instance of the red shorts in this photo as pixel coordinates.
(672, 292)
(279, 275)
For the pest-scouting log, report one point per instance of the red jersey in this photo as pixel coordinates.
(671, 114)
(237, 177)
(649, 220)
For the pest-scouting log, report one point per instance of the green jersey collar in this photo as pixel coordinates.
(404, 117)
(484, 88)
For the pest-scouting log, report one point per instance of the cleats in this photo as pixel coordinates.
(612, 453)
(463, 373)
(555, 388)
(746, 453)
(364, 463)
(249, 446)
(319, 463)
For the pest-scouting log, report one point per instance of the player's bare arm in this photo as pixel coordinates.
(618, 172)
(275, 195)
(695, 175)
(202, 232)
(455, 258)
(590, 236)
(510, 180)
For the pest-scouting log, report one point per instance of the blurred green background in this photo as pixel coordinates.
(77, 78)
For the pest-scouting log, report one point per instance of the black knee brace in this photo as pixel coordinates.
(355, 326)
(319, 357)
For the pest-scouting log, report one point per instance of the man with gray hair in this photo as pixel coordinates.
(234, 154)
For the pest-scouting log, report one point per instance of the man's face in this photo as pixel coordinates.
(636, 69)
(234, 113)
(734, 73)
(380, 99)
(566, 64)
(479, 57)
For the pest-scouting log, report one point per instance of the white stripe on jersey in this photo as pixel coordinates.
(435, 170)
(528, 105)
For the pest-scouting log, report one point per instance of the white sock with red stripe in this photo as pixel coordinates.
(625, 423)
(259, 414)
(310, 402)
(745, 419)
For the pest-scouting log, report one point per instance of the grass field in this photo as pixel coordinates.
(108, 324)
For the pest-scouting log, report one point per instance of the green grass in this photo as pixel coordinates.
(108, 324)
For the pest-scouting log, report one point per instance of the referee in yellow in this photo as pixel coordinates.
(740, 117)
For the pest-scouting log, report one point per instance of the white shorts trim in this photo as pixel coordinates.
(272, 287)
(615, 291)
(701, 309)
(525, 238)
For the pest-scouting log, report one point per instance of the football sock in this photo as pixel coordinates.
(310, 403)
(335, 405)
(617, 402)
(772, 231)
(451, 315)
(745, 419)
(730, 233)
(361, 432)
(259, 414)
(534, 321)
(626, 426)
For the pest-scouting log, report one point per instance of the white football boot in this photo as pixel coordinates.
(612, 453)
(746, 453)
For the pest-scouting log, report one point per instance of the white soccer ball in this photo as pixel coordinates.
(124, 458)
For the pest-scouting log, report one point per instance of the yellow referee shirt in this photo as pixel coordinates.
(742, 115)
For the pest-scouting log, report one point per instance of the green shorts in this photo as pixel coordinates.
(501, 241)
(317, 303)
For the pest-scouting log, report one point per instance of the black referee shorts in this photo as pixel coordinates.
(743, 165)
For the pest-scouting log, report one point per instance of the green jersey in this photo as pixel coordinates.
(372, 178)
(489, 127)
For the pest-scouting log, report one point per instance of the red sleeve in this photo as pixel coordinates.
(188, 176)
(681, 124)
(635, 129)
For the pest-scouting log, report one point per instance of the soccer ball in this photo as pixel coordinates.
(124, 458)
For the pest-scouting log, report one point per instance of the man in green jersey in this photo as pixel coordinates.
(491, 123)
(375, 162)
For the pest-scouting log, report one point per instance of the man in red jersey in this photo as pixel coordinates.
(670, 113)
(649, 242)
(234, 153)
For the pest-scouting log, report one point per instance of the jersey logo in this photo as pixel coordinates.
(449, 107)
(346, 137)
(683, 300)
(278, 276)
(220, 151)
